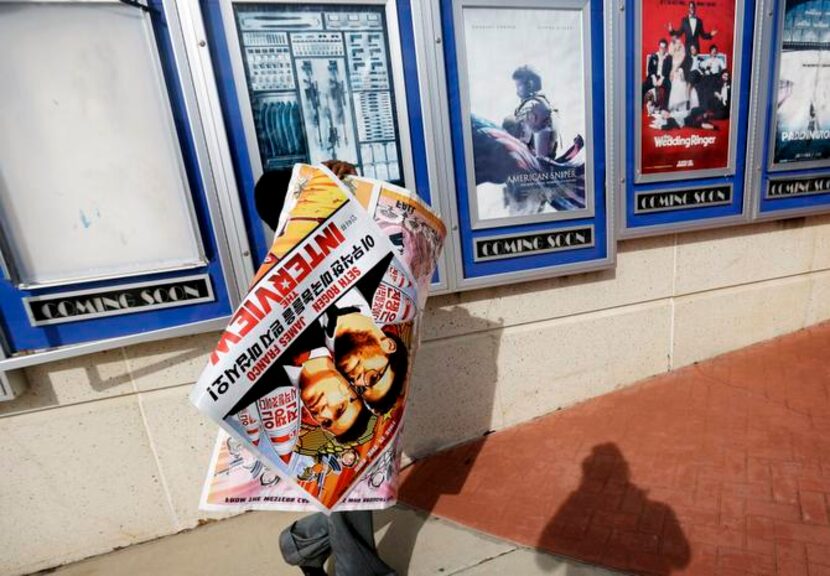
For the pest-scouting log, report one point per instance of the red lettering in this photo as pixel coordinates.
(263, 294)
(330, 239)
(223, 346)
(245, 319)
(254, 310)
(282, 281)
(316, 257)
(300, 267)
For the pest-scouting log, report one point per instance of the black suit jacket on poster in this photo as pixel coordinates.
(693, 38)
(651, 67)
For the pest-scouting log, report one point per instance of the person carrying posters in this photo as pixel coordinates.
(311, 376)
(348, 536)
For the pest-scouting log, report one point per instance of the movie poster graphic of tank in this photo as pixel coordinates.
(526, 79)
(686, 68)
(321, 87)
(803, 91)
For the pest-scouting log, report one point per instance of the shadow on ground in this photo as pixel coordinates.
(442, 365)
(610, 521)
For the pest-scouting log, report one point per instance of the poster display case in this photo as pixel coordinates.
(683, 101)
(517, 120)
(109, 225)
(306, 82)
(522, 87)
(791, 137)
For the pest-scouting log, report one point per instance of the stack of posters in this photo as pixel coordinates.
(309, 381)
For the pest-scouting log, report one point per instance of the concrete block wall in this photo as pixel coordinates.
(105, 451)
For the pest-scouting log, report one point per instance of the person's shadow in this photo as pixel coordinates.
(452, 398)
(610, 521)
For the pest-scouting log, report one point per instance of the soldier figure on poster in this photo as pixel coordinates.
(528, 156)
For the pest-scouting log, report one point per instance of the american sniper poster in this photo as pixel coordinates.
(525, 75)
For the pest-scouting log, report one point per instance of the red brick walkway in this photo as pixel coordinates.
(720, 468)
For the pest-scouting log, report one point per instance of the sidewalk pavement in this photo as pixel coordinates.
(721, 468)
(411, 542)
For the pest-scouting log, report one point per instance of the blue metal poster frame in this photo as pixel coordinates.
(804, 190)
(715, 210)
(235, 124)
(19, 333)
(475, 272)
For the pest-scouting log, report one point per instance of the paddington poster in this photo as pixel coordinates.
(687, 63)
(527, 102)
(803, 104)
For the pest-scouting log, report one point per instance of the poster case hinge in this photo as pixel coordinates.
(12, 384)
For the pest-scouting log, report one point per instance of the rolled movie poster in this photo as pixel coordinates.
(331, 320)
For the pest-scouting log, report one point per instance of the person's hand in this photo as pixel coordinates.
(341, 169)
(714, 32)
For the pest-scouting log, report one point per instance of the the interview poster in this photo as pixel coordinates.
(803, 105)
(687, 60)
(304, 375)
(525, 73)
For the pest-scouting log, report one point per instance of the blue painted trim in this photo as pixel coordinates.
(232, 115)
(413, 99)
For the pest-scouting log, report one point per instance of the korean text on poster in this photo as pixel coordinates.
(311, 375)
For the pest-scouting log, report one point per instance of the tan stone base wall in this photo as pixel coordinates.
(105, 450)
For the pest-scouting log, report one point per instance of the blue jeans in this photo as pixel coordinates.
(348, 536)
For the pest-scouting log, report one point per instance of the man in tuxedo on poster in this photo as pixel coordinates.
(658, 70)
(691, 27)
(689, 129)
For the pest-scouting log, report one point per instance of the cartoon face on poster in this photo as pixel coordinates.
(311, 375)
(803, 90)
(528, 130)
(686, 67)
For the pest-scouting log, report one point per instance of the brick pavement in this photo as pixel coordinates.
(720, 468)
